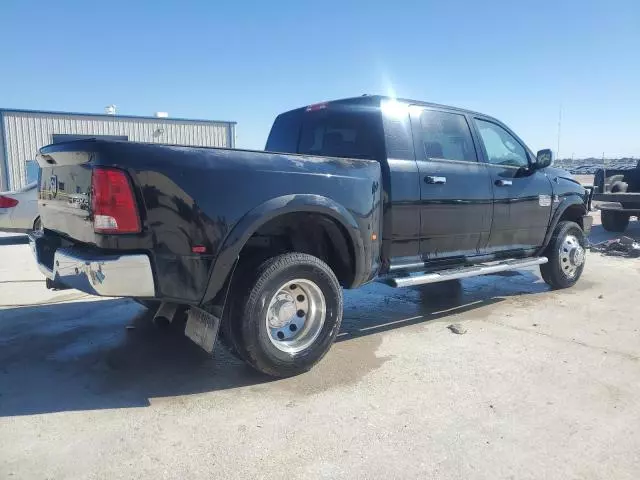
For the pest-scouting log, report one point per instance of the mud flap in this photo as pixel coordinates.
(202, 328)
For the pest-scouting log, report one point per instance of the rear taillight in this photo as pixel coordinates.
(113, 202)
(8, 202)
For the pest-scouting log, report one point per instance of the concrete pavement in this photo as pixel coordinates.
(544, 385)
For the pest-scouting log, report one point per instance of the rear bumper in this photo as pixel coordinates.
(97, 274)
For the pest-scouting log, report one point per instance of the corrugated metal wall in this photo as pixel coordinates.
(26, 132)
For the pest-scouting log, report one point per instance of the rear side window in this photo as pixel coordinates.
(445, 135)
(341, 133)
(284, 133)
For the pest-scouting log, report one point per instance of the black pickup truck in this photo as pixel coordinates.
(261, 243)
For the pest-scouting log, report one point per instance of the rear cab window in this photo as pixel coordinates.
(332, 130)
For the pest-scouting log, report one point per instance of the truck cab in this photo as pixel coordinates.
(459, 187)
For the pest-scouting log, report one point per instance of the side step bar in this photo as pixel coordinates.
(463, 272)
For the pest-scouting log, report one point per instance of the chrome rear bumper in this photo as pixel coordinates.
(97, 274)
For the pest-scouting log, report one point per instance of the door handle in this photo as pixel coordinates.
(431, 180)
(504, 183)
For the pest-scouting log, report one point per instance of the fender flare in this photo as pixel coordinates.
(566, 203)
(236, 239)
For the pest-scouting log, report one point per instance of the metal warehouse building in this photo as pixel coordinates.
(23, 132)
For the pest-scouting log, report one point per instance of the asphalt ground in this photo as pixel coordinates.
(542, 385)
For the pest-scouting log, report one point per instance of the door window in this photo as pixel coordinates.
(445, 135)
(502, 148)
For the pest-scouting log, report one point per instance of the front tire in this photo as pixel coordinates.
(613, 221)
(566, 254)
(285, 314)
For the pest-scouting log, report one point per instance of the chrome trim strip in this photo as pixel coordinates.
(406, 266)
(472, 162)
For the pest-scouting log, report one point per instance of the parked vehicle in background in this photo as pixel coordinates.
(620, 190)
(262, 242)
(19, 210)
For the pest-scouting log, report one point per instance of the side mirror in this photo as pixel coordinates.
(544, 159)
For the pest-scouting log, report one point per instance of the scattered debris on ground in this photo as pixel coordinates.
(457, 329)
(620, 247)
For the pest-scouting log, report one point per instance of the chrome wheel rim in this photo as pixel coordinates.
(295, 315)
(572, 256)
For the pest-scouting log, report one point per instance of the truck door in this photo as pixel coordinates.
(523, 199)
(455, 188)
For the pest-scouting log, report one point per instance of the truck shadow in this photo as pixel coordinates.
(108, 354)
(378, 308)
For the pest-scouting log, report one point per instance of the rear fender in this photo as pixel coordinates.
(252, 221)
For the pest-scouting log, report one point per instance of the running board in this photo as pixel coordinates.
(463, 272)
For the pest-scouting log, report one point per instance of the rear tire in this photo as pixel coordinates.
(284, 315)
(566, 253)
(613, 221)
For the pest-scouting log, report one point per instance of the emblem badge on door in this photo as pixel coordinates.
(544, 200)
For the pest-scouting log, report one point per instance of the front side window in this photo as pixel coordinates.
(445, 135)
(501, 147)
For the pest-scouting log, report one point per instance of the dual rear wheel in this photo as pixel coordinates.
(284, 314)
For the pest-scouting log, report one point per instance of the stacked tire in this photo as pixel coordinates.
(614, 221)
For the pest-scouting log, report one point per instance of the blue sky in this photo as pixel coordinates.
(247, 61)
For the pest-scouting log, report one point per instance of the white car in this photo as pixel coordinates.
(19, 210)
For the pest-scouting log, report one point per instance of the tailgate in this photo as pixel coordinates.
(64, 198)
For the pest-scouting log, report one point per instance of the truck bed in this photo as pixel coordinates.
(195, 204)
